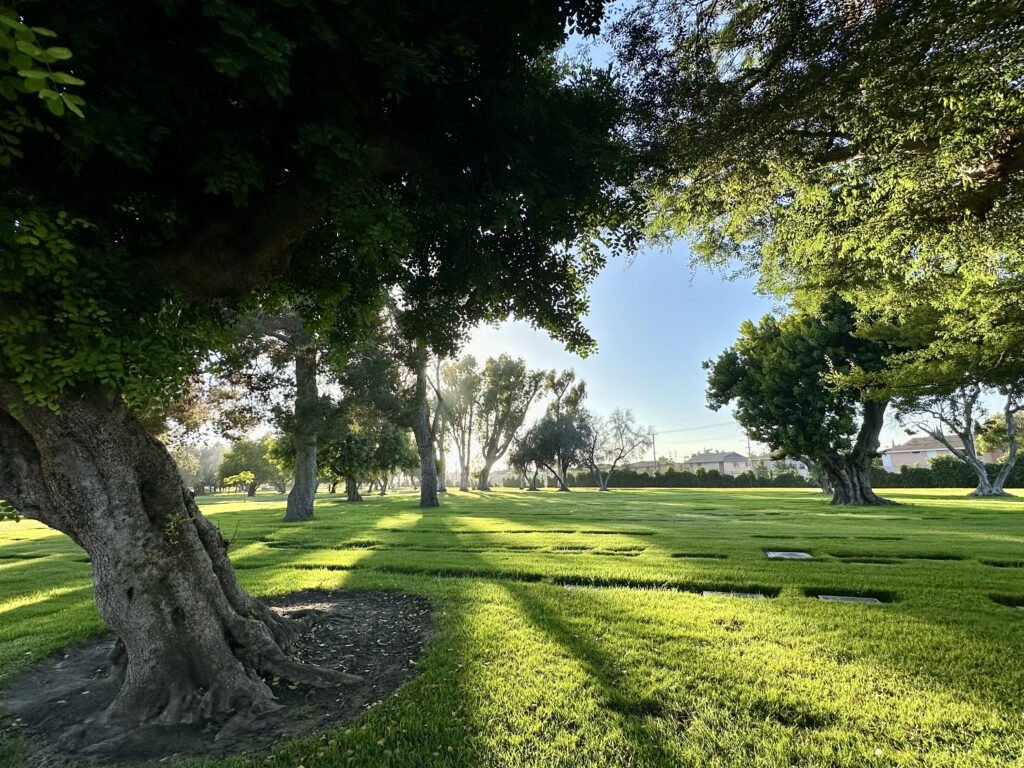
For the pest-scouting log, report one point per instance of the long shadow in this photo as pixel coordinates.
(981, 655)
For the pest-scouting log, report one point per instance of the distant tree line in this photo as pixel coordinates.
(672, 478)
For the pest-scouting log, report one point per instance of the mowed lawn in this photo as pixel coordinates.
(635, 667)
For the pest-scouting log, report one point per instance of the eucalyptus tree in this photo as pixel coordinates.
(321, 145)
(508, 390)
(460, 388)
(776, 374)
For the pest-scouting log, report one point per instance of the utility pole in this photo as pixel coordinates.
(655, 449)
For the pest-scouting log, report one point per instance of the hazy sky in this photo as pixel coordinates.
(654, 322)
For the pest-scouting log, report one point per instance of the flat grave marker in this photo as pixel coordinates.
(850, 599)
(781, 555)
(713, 593)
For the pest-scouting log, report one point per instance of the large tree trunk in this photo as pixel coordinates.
(251, 489)
(850, 473)
(464, 478)
(484, 483)
(352, 490)
(194, 641)
(384, 486)
(307, 400)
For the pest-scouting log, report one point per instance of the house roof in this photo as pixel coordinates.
(925, 443)
(708, 458)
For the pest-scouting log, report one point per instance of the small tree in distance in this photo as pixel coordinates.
(242, 481)
(611, 442)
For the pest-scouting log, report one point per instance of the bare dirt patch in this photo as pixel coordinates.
(377, 635)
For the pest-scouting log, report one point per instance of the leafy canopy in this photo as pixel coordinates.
(234, 157)
(873, 150)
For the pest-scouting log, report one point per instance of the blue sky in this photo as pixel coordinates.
(654, 321)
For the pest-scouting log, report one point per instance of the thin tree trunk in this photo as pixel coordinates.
(195, 643)
(533, 481)
(307, 398)
(384, 486)
(425, 435)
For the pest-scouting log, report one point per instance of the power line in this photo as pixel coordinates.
(694, 429)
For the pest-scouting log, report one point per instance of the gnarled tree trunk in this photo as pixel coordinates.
(307, 398)
(194, 641)
(352, 490)
(850, 473)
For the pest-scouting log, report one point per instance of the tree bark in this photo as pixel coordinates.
(484, 484)
(352, 490)
(307, 398)
(850, 473)
(424, 435)
(194, 641)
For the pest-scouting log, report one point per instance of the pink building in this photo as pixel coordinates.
(917, 451)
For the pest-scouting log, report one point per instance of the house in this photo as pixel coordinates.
(727, 463)
(916, 452)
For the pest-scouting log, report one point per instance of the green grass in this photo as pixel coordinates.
(636, 668)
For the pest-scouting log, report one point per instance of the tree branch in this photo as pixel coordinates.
(246, 249)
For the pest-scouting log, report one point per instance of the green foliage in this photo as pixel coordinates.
(27, 67)
(252, 456)
(242, 478)
(7, 512)
(994, 436)
(941, 472)
(507, 390)
(872, 150)
(776, 375)
(440, 149)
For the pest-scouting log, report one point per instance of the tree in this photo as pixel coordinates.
(334, 142)
(523, 459)
(871, 151)
(961, 411)
(243, 480)
(252, 456)
(460, 388)
(209, 462)
(555, 444)
(508, 389)
(994, 435)
(393, 453)
(611, 442)
(776, 372)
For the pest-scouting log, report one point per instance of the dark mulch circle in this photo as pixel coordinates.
(378, 635)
